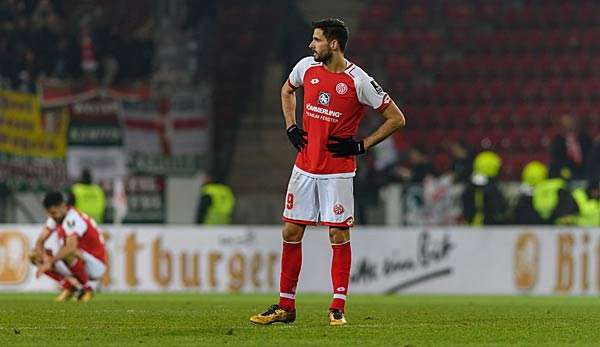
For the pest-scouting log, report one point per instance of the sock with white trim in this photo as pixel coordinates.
(291, 262)
(340, 274)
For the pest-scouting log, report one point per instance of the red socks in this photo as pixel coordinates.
(59, 278)
(78, 270)
(340, 274)
(291, 262)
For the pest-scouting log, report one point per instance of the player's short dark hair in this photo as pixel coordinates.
(53, 199)
(333, 29)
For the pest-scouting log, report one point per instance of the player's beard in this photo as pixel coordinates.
(324, 57)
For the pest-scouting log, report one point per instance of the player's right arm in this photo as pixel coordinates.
(288, 104)
(39, 243)
(296, 135)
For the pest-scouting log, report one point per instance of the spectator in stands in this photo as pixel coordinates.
(88, 197)
(588, 203)
(216, 203)
(462, 161)
(483, 202)
(412, 167)
(524, 213)
(553, 200)
(34, 42)
(570, 149)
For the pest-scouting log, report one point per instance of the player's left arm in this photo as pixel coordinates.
(67, 250)
(394, 120)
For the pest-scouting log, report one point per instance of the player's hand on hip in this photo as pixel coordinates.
(297, 137)
(344, 147)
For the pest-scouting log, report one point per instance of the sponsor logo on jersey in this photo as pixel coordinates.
(324, 111)
(338, 209)
(314, 81)
(377, 87)
(14, 264)
(341, 88)
(324, 98)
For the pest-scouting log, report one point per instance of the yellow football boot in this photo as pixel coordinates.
(336, 318)
(64, 296)
(86, 296)
(272, 315)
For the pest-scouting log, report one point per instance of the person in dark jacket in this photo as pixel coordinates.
(483, 202)
(524, 212)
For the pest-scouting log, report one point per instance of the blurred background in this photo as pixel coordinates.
(172, 109)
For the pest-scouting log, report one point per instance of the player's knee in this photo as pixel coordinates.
(292, 232)
(337, 236)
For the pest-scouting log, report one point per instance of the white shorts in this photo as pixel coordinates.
(319, 201)
(93, 266)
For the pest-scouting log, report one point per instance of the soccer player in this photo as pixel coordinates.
(81, 256)
(336, 93)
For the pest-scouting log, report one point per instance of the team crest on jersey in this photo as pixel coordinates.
(324, 98)
(314, 81)
(338, 209)
(341, 88)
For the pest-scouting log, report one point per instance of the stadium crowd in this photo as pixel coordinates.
(81, 42)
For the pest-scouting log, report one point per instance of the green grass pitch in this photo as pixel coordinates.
(201, 319)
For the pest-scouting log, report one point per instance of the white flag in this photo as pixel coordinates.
(119, 201)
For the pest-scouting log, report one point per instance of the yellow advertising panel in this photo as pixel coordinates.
(26, 129)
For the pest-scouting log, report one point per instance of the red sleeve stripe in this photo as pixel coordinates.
(291, 85)
(387, 101)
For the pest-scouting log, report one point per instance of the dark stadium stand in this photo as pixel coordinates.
(493, 74)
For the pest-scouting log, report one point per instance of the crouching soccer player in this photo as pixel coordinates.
(81, 257)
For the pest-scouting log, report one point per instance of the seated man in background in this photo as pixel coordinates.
(81, 256)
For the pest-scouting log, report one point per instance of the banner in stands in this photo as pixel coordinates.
(27, 130)
(168, 136)
(145, 199)
(32, 142)
(96, 138)
(539, 261)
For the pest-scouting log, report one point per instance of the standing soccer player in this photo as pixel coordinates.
(336, 93)
(81, 257)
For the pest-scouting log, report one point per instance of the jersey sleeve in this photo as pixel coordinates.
(50, 224)
(296, 78)
(371, 94)
(74, 224)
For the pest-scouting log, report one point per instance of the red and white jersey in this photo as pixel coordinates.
(86, 229)
(334, 104)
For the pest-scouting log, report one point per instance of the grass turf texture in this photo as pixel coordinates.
(200, 319)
